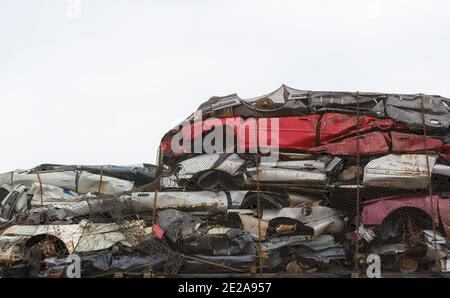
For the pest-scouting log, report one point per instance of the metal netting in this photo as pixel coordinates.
(359, 186)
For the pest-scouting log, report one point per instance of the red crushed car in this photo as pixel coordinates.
(421, 209)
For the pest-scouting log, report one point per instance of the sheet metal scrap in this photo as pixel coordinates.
(288, 101)
(139, 174)
(323, 249)
(151, 255)
(408, 110)
(429, 249)
(141, 202)
(256, 227)
(405, 171)
(79, 181)
(191, 237)
(77, 238)
(312, 220)
(436, 207)
(223, 168)
(343, 159)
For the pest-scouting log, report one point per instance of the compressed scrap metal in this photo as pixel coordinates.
(405, 142)
(135, 202)
(311, 220)
(408, 110)
(284, 101)
(346, 102)
(335, 127)
(437, 207)
(218, 170)
(323, 249)
(373, 143)
(139, 174)
(14, 202)
(303, 171)
(187, 233)
(407, 171)
(152, 255)
(14, 207)
(206, 201)
(329, 141)
(79, 181)
(76, 238)
(234, 211)
(407, 257)
(256, 227)
(144, 257)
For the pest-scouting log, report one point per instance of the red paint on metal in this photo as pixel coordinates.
(293, 133)
(335, 126)
(404, 142)
(375, 211)
(369, 144)
(158, 231)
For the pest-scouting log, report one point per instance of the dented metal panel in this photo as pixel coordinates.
(408, 110)
(334, 126)
(47, 194)
(79, 238)
(295, 165)
(287, 175)
(322, 249)
(319, 218)
(12, 248)
(78, 181)
(346, 102)
(140, 174)
(14, 202)
(291, 133)
(145, 201)
(368, 144)
(256, 227)
(230, 164)
(281, 102)
(441, 170)
(405, 142)
(320, 243)
(405, 171)
(307, 171)
(375, 211)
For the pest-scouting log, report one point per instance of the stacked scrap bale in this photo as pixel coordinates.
(298, 181)
(370, 168)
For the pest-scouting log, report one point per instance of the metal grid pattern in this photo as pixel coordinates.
(360, 187)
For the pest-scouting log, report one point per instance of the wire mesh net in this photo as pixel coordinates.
(359, 186)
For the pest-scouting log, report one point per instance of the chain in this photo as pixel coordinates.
(100, 184)
(430, 187)
(258, 197)
(150, 267)
(41, 189)
(358, 178)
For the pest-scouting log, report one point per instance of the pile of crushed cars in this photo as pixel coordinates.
(356, 174)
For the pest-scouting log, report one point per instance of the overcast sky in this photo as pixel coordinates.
(101, 83)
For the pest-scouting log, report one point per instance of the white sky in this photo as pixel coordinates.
(105, 87)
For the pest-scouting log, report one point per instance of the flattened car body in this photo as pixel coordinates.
(437, 207)
(408, 109)
(78, 181)
(77, 238)
(212, 166)
(313, 221)
(404, 171)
